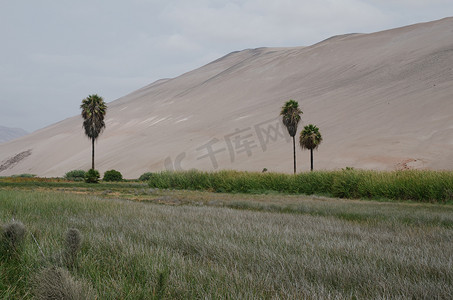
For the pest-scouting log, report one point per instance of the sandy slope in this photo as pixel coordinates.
(381, 100)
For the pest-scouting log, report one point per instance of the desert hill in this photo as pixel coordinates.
(8, 133)
(382, 101)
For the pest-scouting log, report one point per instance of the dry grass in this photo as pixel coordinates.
(58, 284)
(273, 247)
(12, 238)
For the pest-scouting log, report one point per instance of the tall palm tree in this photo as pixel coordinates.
(93, 113)
(310, 138)
(291, 116)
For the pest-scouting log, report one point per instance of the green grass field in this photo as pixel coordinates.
(142, 243)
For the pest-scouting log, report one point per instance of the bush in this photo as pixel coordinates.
(12, 239)
(58, 283)
(73, 244)
(145, 176)
(112, 175)
(75, 175)
(92, 176)
(25, 175)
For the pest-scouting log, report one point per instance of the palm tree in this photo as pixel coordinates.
(291, 116)
(93, 112)
(310, 138)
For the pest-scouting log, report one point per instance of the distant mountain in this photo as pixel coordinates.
(381, 100)
(8, 134)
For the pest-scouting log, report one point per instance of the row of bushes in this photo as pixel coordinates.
(90, 176)
(93, 176)
(426, 186)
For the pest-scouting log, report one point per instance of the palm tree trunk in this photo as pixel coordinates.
(294, 153)
(311, 159)
(92, 153)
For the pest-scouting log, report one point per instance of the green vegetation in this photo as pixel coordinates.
(329, 248)
(145, 176)
(92, 176)
(93, 112)
(64, 184)
(12, 240)
(73, 243)
(25, 175)
(58, 283)
(310, 138)
(422, 186)
(112, 175)
(75, 175)
(12, 259)
(290, 113)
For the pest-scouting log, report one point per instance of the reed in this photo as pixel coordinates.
(416, 185)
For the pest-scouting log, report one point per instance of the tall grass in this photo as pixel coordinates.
(58, 283)
(425, 186)
(12, 239)
(136, 250)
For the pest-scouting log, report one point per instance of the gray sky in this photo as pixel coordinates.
(54, 53)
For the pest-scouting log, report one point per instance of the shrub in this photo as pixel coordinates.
(57, 283)
(92, 176)
(347, 183)
(12, 238)
(161, 180)
(73, 243)
(25, 175)
(145, 176)
(112, 175)
(75, 175)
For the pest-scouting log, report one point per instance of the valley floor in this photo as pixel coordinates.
(142, 243)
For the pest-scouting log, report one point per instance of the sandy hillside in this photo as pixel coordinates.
(382, 101)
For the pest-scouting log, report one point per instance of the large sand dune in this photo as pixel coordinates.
(382, 101)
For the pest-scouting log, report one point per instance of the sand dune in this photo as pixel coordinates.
(382, 101)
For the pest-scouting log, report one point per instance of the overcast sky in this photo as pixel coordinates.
(54, 53)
